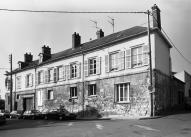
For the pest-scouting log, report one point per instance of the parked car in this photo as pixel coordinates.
(6, 113)
(2, 118)
(32, 114)
(16, 114)
(60, 114)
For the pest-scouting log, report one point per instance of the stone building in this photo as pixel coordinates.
(186, 78)
(110, 73)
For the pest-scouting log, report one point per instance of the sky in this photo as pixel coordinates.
(28, 32)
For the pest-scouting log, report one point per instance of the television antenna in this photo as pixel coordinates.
(112, 22)
(95, 22)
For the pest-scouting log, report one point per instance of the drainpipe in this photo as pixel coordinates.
(83, 87)
(34, 88)
(150, 67)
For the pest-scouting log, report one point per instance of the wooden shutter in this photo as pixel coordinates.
(64, 72)
(128, 59)
(46, 76)
(68, 71)
(78, 70)
(37, 78)
(55, 74)
(145, 55)
(25, 81)
(86, 66)
(121, 60)
(98, 65)
(32, 80)
(107, 63)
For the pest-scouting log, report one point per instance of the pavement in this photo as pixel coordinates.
(178, 125)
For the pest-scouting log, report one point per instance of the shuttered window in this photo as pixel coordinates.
(29, 80)
(40, 77)
(18, 82)
(92, 66)
(50, 75)
(75, 70)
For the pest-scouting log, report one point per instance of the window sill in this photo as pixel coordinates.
(124, 102)
(74, 97)
(91, 96)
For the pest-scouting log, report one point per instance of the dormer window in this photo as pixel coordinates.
(40, 58)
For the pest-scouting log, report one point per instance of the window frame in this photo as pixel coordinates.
(94, 90)
(73, 89)
(94, 66)
(73, 71)
(117, 91)
(18, 82)
(116, 60)
(40, 77)
(50, 74)
(50, 94)
(29, 80)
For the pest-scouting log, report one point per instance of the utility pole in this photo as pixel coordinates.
(150, 66)
(11, 83)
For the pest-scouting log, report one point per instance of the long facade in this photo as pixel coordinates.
(110, 74)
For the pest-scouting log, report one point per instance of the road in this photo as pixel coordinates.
(178, 125)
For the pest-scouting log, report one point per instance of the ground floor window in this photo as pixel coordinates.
(91, 89)
(50, 95)
(122, 92)
(73, 92)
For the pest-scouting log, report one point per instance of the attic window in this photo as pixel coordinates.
(40, 58)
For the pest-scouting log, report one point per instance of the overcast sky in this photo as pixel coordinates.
(28, 32)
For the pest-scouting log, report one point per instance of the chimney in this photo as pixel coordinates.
(28, 58)
(46, 50)
(76, 40)
(100, 34)
(156, 16)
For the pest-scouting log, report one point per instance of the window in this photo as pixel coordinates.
(50, 75)
(92, 66)
(40, 77)
(91, 89)
(61, 72)
(114, 61)
(18, 96)
(122, 92)
(29, 80)
(137, 56)
(50, 95)
(18, 79)
(73, 92)
(73, 70)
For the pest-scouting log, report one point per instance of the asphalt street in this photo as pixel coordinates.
(178, 125)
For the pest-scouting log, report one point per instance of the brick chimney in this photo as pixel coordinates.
(46, 53)
(76, 40)
(156, 16)
(28, 58)
(100, 34)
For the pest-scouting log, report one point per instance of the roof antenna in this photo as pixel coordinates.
(112, 22)
(95, 22)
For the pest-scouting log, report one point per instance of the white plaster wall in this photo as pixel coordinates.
(162, 55)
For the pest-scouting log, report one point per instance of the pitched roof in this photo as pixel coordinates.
(91, 45)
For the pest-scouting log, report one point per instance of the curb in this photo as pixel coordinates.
(145, 118)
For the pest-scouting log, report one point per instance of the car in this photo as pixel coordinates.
(16, 114)
(59, 114)
(2, 118)
(32, 114)
(6, 113)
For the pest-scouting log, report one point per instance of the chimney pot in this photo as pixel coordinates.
(100, 34)
(76, 40)
(156, 16)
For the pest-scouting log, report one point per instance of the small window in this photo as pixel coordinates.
(92, 66)
(73, 92)
(122, 92)
(50, 95)
(18, 96)
(92, 90)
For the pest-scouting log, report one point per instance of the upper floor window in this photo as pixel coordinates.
(18, 82)
(115, 61)
(29, 80)
(137, 56)
(73, 92)
(61, 72)
(40, 77)
(91, 89)
(122, 92)
(73, 69)
(50, 75)
(92, 66)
